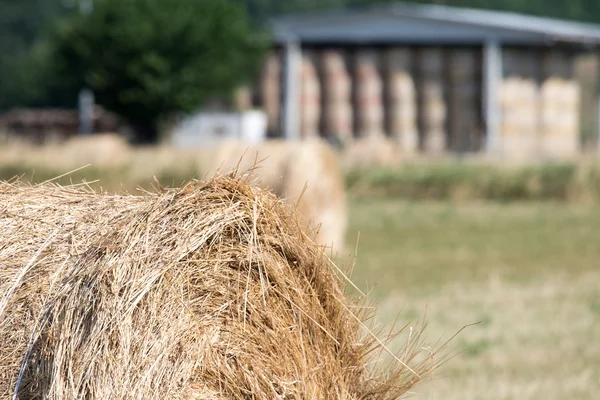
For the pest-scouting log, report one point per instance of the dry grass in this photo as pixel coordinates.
(205, 292)
(108, 157)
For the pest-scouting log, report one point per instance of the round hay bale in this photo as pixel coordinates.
(287, 168)
(206, 292)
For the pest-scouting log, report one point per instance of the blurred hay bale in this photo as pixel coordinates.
(519, 101)
(270, 90)
(369, 93)
(432, 99)
(338, 112)
(376, 151)
(310, 96)
(402, 98)
(286, 168)
(207, 292)
(560, 117)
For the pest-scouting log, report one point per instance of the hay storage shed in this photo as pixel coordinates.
(434, 78)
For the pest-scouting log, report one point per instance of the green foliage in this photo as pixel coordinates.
(146, 59)
(24, 58)
(584, 10)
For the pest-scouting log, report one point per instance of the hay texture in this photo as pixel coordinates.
(207, 292)
(304, 173)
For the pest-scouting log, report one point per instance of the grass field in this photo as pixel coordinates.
(528, 272)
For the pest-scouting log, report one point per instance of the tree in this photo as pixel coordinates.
(147, 59)
(23, 60)
(585, 10)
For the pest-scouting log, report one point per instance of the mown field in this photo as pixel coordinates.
(515, 249)
(529, 273)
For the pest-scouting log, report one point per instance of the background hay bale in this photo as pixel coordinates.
(376, 151)
(208, 292)
(286, 168)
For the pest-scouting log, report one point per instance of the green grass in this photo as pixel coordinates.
(464, 181)
(528, 272)
(575, 182)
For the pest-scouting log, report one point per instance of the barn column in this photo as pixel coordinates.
(492, 77)
(291, 100)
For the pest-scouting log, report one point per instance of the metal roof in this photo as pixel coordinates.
(435, 24)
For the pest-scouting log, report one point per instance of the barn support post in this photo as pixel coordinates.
(492, 76)
(293, 64)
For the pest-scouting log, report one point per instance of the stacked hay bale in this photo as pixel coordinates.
(401, 98)
(560, 105)
(463, 100)
(208, 292)
(305, 173)
(310, 97)
(368, 94)
(337, 95)
(270, 90)
(432, 103)
(519, 105)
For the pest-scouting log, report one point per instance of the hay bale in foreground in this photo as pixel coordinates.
(304, 173)
(208, 292)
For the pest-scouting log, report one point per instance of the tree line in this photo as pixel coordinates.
(146, 59)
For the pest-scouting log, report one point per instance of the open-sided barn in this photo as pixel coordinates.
(434, 78)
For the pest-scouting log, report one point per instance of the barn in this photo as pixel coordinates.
(435, 79)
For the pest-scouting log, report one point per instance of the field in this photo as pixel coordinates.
(527, 272)
(516, 251)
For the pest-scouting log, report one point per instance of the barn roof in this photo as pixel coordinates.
(431, 24)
